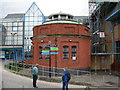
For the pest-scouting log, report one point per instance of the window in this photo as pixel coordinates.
(65, 52)
(20, 24)
(31, 24)
(15, 23)
(19, 54)
(20, 28)
(31, 18)
(14, 28)
(9, 24)
(73, 52)
(40, 51)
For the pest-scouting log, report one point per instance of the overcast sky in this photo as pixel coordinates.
(74, 7)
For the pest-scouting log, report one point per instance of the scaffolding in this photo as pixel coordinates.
(103, 44)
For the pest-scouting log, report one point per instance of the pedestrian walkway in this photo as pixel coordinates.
(12, 80)
(93, 80)
(83, 80)
(88, 80)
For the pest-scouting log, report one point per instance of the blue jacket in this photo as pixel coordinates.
(65, 78)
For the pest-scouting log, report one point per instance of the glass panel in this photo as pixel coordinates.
(14, 28)
(35, 8)
(65, 52)
(9, 24)
(20, 34)
(20, 28)
(31, 24)
(20, 24)
(26, 33)
(73, 48)
(65, 48)
(35, 19)
(73, 52)
(65, 56)
(27, 18)
(27, 28)
(39, 13)
(31, 18)
(5, 24)
(31, 14)
(14, 23)
(36, 23)
(40, 18)
(28, 13)
(9, 28)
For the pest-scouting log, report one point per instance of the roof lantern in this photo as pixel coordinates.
(60, 18)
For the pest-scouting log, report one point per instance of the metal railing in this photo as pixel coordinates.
(80, 77)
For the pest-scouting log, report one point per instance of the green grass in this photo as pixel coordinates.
(12, 68)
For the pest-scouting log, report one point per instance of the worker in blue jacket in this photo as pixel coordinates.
(65, 79)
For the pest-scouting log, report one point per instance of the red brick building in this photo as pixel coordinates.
(71, 38)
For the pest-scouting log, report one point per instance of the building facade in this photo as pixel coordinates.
(12, 36)
(105, 34)
(16, 30)
(71, 39)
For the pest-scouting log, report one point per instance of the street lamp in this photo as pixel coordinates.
(13, 34)
(12, 43)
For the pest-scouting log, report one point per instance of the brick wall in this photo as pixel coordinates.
(82, 44)
(61, 29)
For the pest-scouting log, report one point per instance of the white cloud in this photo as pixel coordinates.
(74, 7)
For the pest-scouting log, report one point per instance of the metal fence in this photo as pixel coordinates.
(23, 68)
(80, 77)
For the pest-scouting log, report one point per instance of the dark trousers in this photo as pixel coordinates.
(34, 80)
(65, 86)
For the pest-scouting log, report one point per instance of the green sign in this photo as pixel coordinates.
(54, 48)
(45, 51)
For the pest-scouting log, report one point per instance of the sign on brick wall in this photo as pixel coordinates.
(53, 49)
